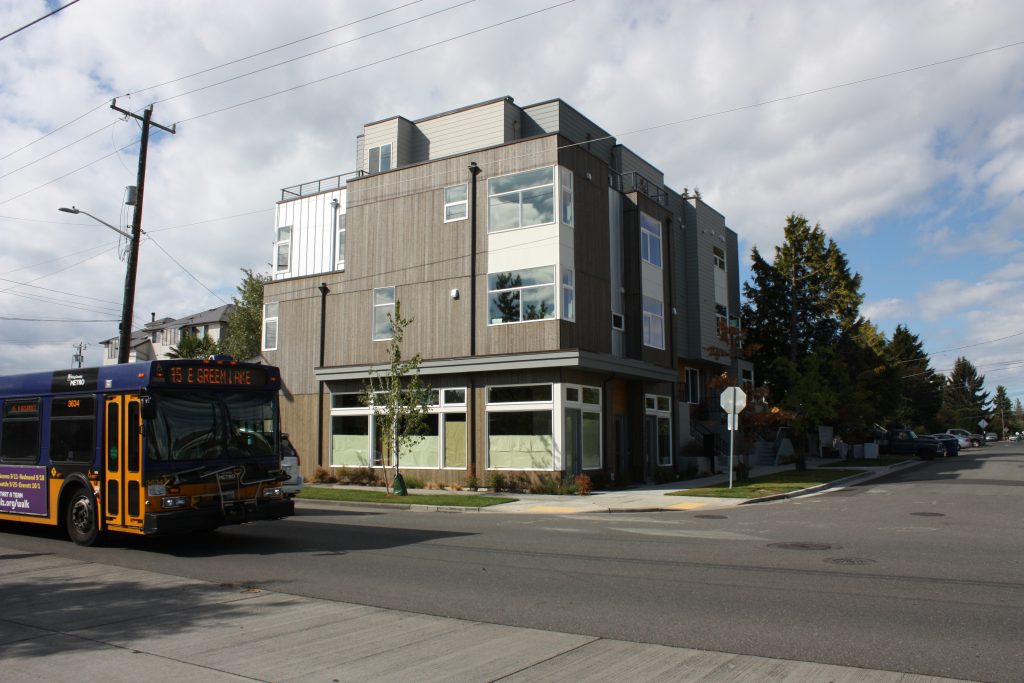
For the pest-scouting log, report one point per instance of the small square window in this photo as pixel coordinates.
(456, 203)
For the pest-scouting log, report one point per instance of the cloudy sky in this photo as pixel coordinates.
(899, 126)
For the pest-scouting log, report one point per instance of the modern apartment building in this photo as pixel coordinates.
(563, 298)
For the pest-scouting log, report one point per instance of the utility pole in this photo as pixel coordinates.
(80, 356)
(124, 345)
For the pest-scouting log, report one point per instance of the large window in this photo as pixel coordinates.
(519, 432)
(456, 203)
(719, 256)
(270, 327)
(694, 391)
(566, 199)
(522, 295)
(282, 249)
(521, 200)
(650, 240)
(654, 323)
(444, 444)
(383, 307)
(380, 158)
(583, 427)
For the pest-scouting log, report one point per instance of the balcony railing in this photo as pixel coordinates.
(317, 186)
(635, 182)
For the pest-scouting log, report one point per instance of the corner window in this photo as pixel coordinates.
(456, 203)
(270, 327)
(383, 312)
(650, 240)
(282, 249)
(521, 200)
(568, 294)
(566, 196)
(521, 296)
(654, 323)
(380, 158)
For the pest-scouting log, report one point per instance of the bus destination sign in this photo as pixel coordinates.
(216, 375)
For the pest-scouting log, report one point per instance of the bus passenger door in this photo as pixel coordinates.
(123, 496)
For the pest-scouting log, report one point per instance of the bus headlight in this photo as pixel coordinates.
(171, 502)
(275, 492)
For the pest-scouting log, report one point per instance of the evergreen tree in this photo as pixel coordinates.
(918, 387)
(804, 301)
(964, 400)
(1002, 411)
(245, 324)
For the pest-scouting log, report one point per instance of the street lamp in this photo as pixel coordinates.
(125, 339)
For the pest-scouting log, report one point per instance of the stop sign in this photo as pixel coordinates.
(734, 400)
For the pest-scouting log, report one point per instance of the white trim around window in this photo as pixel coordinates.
(270, 326)
(650, 240)
(521, 200)
(654, 323)
(383, 305)
(282, 249)
(456, 203)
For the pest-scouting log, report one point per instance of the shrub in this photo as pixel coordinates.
(470, 483)
(583, 485)
(516, 482)
(412, 482)
(545, 484)
(496, 481)
(324, 476)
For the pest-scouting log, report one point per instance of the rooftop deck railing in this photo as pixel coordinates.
(335, 182)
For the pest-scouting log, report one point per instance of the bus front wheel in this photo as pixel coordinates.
(80, 518)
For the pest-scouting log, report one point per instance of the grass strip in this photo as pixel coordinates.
(769, 484)
(360, 496)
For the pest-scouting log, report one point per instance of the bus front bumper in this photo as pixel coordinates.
(238, 512)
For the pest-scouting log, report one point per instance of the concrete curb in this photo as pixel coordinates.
(867, 475)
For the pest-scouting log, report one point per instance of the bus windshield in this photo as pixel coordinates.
(211, 426)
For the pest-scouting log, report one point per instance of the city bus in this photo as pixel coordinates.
(142, 448)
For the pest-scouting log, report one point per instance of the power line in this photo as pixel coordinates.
(379, 61)
(187, 271)
(197, 73)
(55, 320)
(37, 20)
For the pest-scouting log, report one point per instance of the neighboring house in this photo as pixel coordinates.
(157, 337)
(561, 294)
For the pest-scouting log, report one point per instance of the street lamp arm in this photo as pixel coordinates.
(98, 220)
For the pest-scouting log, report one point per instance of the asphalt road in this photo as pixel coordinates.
(921, 572)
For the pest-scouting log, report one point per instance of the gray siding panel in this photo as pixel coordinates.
(463, 131)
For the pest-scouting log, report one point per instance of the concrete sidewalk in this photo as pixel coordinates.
(639, 499)
(70, 620)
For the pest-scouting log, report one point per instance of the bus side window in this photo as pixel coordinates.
(19, 434)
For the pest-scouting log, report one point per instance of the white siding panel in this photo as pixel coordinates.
(523, 248)
(313, 227)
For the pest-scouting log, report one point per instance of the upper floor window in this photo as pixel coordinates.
(283, 248)
(522, 295)
(694, 392)
(566, 198)
(719, 258)
(270, 327)
(456, 202)
(339, 243)
(650, 240)
(568, 294)
(654, 323)
(383, 313)
(380, 158)
(521, 200)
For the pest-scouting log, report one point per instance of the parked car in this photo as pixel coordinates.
(906, 442)
(962, 441)
(975, 439)
(1017, 437)
(950, 442)
(290, 464)
(991, 436)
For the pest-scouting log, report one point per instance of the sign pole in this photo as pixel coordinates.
(733, 401)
